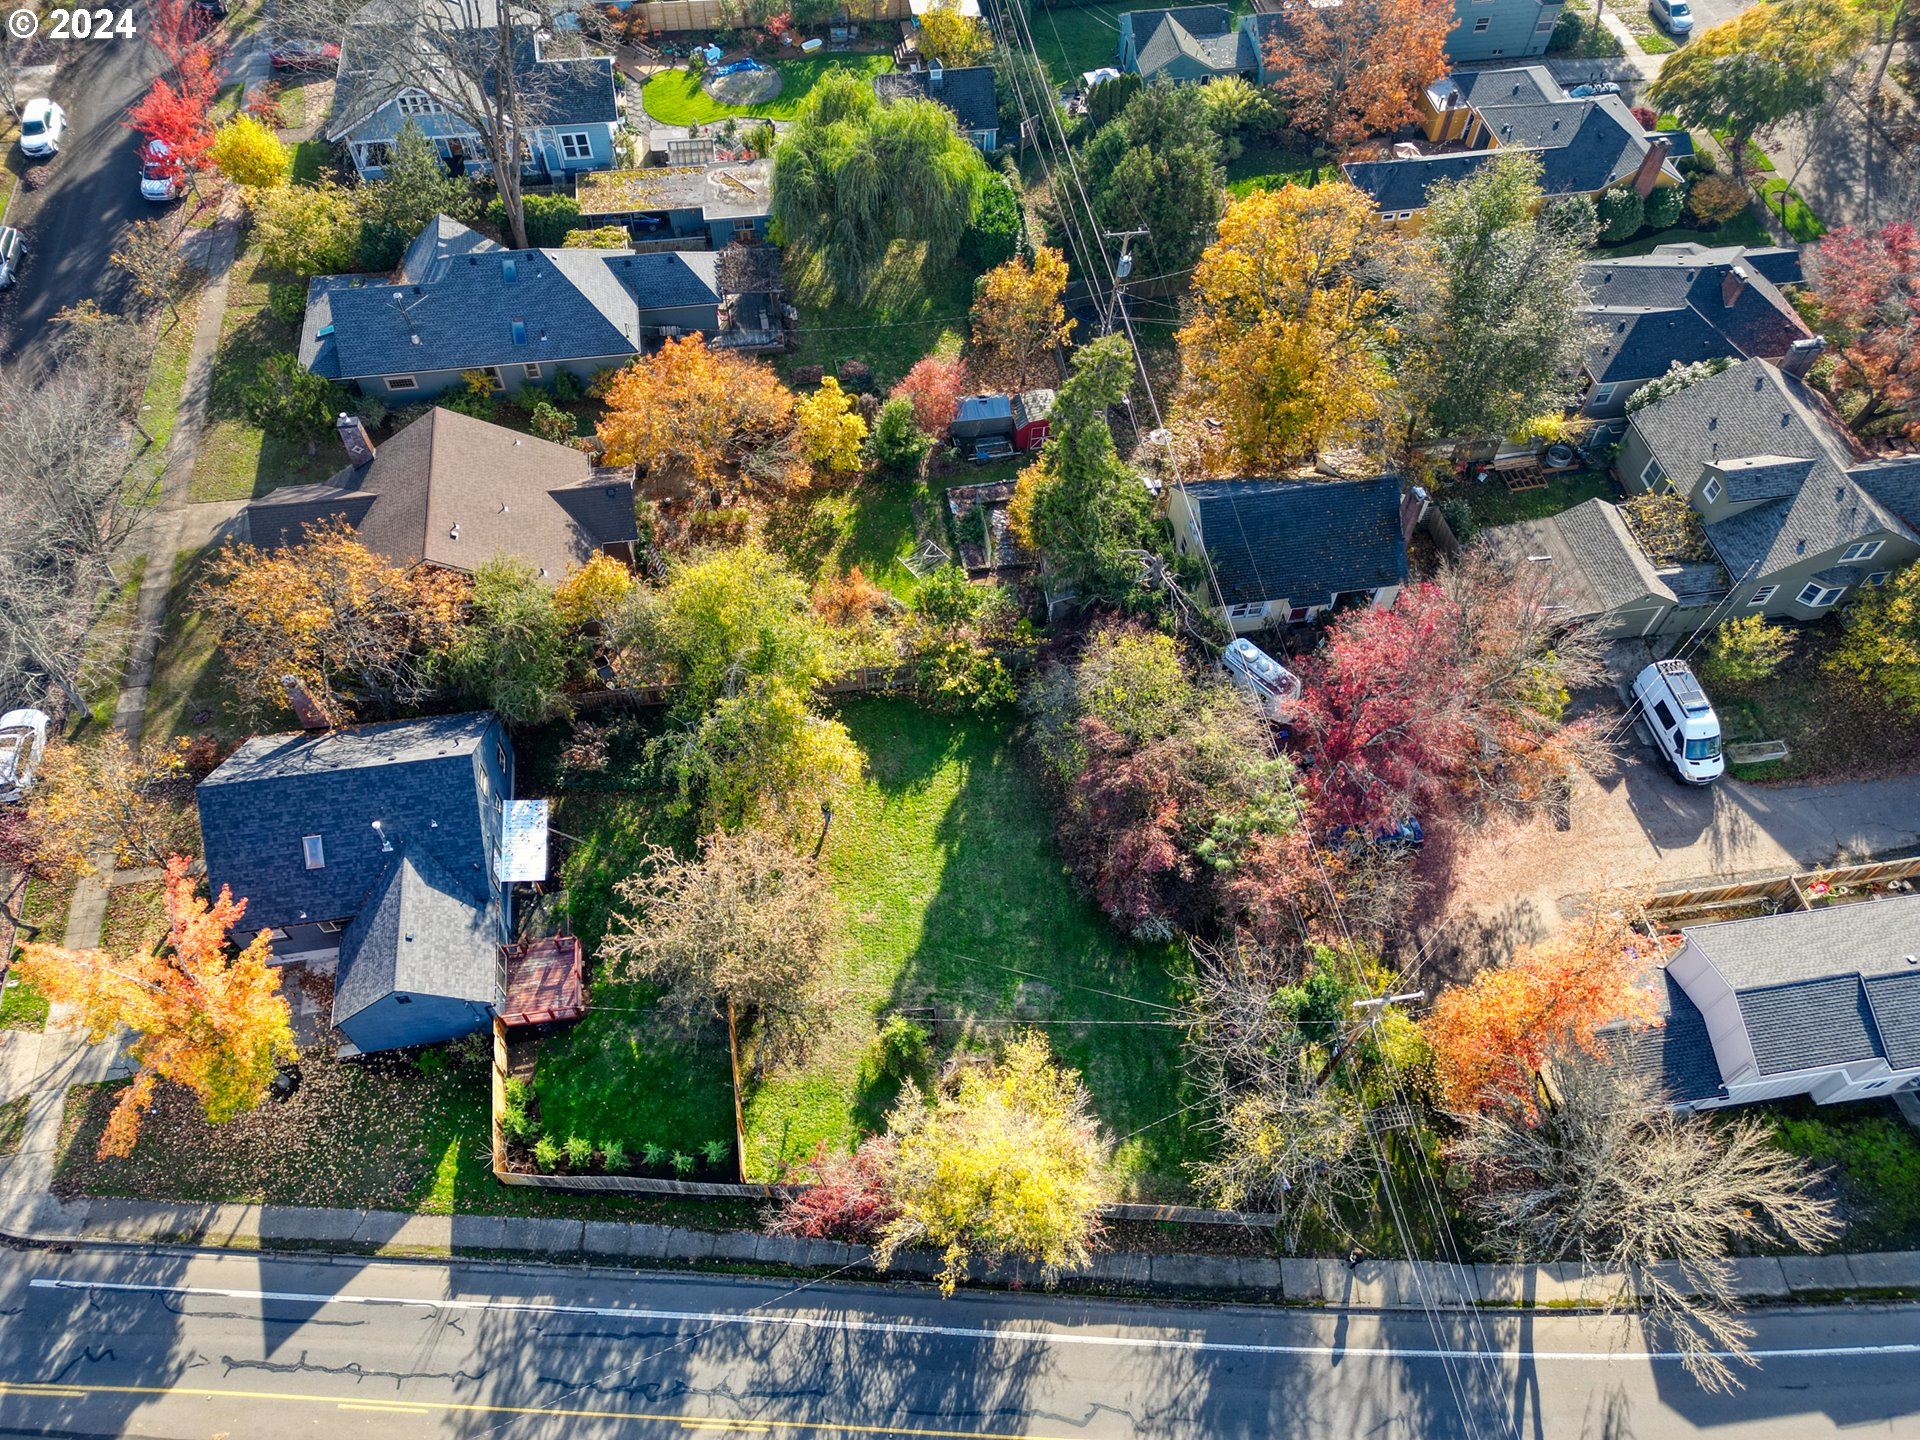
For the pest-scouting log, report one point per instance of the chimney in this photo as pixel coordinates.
(305, 707)
(353, 435)
(1731, 284)
(1650, 163)
(1801, 355)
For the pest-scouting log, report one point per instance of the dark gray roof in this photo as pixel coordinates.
(1778, 263)
(440, 242)
(1596, 565)
(1675, 1050)
(457, 492)
(1895, 1002)
(419, 778)
(1809, 1024)
(571, 90)
(1895, 483)
(1510, 85)
(1752, 410)
(968, 92)
(1403, 184)
(1205, 33)
(568, 304)
(422, 933)
(1301, 540)
(1652, 311)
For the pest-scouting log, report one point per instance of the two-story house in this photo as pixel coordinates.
(573, 100)
(1585, 143)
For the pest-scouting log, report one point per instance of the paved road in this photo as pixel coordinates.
(270, 1348)
(71, 225)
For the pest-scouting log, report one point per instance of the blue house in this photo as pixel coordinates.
(574, 102)
(373, 853)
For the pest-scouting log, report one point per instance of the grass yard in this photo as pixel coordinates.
(1744, 229)
(1077, 38)
(956, 899)
(104, 660)
(1268, 167)
(1494, 504)
(13, 1123)
(1792, 210)
(1756, 157)
(909, 310)
(875, 526)
(310, 158)
(1579, 35)
(160, 405)
(189, 695)
(1874, 1159)
(22, 1007)
(1834, 730)
(674, 97)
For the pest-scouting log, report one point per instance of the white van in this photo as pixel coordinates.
(1265, 678)
(1682, 720)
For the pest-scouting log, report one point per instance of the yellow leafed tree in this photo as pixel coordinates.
(830, 431)
(953, 38)
(250, 154)
(1285, 347)
(594, 592)
(694, 406)
(1018, 320)
(103, 797)
(213, 1023)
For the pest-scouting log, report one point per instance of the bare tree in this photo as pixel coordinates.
(153, 262)
(492, 68)
(118, 350)
(1607, 1176)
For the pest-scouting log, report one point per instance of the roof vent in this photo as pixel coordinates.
(1839, 492)
(1911, 959)
(503, 504)
(1800, 546)
(1713, 422)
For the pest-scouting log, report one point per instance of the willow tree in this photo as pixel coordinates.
(856, 173)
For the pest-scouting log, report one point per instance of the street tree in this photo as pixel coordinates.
(692, 406)
(213, 1023)
(248, 153)
(155, 265)
(1157, 166)
(1018, 320)
(1600, 1173)
(743, 933)
(1286, 347)
(176, 112)
(1008, 1162)
(1350, 71)
(1867, 287)
(105, 797)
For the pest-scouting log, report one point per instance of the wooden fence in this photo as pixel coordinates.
(1780, 892)
(668, 16)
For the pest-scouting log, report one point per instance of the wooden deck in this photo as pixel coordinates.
(544, 982)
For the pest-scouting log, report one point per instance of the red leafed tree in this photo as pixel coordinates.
(1868, 287)
(839, 1196)
(1451, 702)
(1353, 70)
(935, 385)
(176, 114)
(181, 34)
(1492, 1037)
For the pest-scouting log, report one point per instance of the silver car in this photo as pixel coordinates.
(23, 736)
(13, 249)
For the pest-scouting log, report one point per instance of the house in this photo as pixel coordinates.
(1187, 44)
(1289, 551)
(574, 98)
(1585, 145)
(1683, 304)
(373, 854)
(1501, 29)
(456, 492)
(1797, 514)
(700, 205)
(1823, 1003)
(462, 304)
(968, 92)
(1597, 573)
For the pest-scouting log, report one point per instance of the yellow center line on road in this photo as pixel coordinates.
(29, 1389)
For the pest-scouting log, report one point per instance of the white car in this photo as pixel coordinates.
(1676, 15)
(23, 735)
(1682, 720)
(13, 249)
(160, 178)
(43, 125)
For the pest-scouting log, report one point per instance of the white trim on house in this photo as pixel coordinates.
(1710, 492)
(1602, 394)
(1879, 578)
(1816, 596)
(1651, 474)
(576, 145)
(1862, 550)
(1762, 595)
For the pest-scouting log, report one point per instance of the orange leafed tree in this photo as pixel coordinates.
(213, 1023)
(1349, 71)
(1018, 319)
(1491, 1037)
(692, 406)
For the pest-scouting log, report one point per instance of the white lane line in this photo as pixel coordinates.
(996, 1333)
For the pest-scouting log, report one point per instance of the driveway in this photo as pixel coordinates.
(72, 224)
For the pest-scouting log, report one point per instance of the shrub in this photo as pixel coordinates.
(1745, 650)
(1620, 210)
(905, 1048)
(288, 400)
(288, 303)
(682, 1164)
(993, 229)
(470, 402)
(1664, 206)
(613, 1155)
(653, 1156)
(600, 237)
(518, 1091)
(517, 1127)
(579, 1152)
(431, 1063)
(843, 1197)
(549, 218)
(896, 440)
(550, 422)
(546, 1154)
(1648, 117)
(372, 411)
(1716, 199)
(566, 387)
(1459, 517)
(716, 1153)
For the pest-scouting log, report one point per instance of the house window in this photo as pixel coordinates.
(576, 144)
(1763, 594)
(1247, 611)
(314, 851)
(400, 382)
(1602, 395)
(1651, 474)
(532, 371)
(498, 382)
(1878, 577)
(1299, 614)
(332, 927)
(1403, 215)
(1710, 492)
(1545, 23)
(1817, 596)
(415, 102)
(1482, 24)
(1862, 551)
(374, 154)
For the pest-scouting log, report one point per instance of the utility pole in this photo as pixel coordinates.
(1120, 272)
(1372, 1009)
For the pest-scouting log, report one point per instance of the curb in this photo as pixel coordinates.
(1372, 1285)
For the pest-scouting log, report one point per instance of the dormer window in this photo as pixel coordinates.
(313, 851)
(1862, 551)
(417, 102)
(1710, 492)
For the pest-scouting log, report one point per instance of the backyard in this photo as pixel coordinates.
(1834, 729)
(905, 313)
(674, 97)
(1491, 503)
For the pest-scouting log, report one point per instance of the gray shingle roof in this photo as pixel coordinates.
(1895, 1002)
(417, 777)
(1651, 311)
(422, 933)
(1403, 184)
(440, 242)
(1675, 1051)
(1596, 564)
(1809, 1024)
(1301, 541)
(458, 492)
(570, 305)
(968, 92)
(1206, 34)
(1895, 484)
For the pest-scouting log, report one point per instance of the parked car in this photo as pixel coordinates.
(1681, 718)
(1276, 688)
(1673, 14)
(1592, 88)
(13, 249)
(43, 125)
(1409, 834)
(160, 178)
(23, 736)
(304, 55)
(211, 11)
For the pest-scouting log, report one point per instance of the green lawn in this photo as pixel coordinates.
(1874, 1159)
(1494, 504)
(1834, 730)
(1268, 167)
(310, 161)
(674, 97)
(956, 899)
(908, 311)
(1075, 39)
(1792, 210)
(13, 1123)
(104, 661)
(160, 405)
(873, 526)
(22, 1007)
(1745, 228)
(188, 680)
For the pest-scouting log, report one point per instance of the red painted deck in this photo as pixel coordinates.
(544, 982)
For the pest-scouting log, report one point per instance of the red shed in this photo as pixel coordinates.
(1032, 418)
